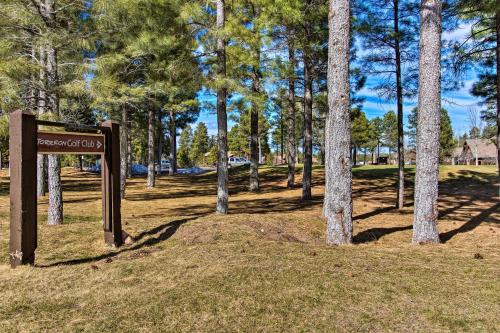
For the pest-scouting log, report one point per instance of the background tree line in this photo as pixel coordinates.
(264, 64)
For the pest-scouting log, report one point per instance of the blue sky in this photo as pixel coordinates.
(456, 102)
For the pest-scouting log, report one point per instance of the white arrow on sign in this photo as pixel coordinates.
(99, 145)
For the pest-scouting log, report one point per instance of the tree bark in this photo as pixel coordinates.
(42, 164)
(255, 149)
(52, 80)
(129, 146)
(222, 164)
(338, 190)
(160, 140)
(399, 96)
(42, 161)
(173, 144)
(282, 138)
(497, 26)
(42, 96)
(307, 171)
(354, 155)
(55, 213)
(429, 105)
(151, 148)
(292, 147)
(254, 132)
(31, 102)
(124, 166)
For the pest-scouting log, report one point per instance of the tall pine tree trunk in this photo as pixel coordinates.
(497, 25)
(222, 163)
(399, 95)
(429, 105)
(282, 137)
(160, 140)
(292, 147)
(151, 148)
(42, 162)
(42, 165)
(255, 148)
(52, 81)
(124, 151)
(55, 213)
(338, 190)
(129, 147)
(173, 144)
(254, 133)
(308, 102)
(31, 104)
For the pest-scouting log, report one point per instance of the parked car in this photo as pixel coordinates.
(164, 166)
(96, 168)
(238, 161)
(139, 170)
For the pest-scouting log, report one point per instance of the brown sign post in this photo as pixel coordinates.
(25, 143)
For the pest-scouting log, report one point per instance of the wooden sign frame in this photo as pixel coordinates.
(23, 173)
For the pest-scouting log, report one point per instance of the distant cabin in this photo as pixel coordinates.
(410, 157)
(483, 149)
(382, 160)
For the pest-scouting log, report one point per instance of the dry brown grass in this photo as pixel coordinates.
(264, 267)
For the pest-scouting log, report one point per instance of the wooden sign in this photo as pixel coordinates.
(69, 143)
(25, 142)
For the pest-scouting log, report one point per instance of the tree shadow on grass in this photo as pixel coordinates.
(471, 224)
(378, 211)
(374, 234)
(255, 206)
(164, 231)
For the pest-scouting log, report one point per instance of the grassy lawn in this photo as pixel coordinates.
(264, 267)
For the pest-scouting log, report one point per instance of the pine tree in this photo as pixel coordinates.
(314, 22)
(446, 140)
(391, 132)
(338, 189)
(151, 148)
(222, 161)
(139, 69)
(210, 20)
(247, 25)
(389, 29)
(41, 66)
(429, 105)
(359, 132)
(185, 146)
(286, 19)
(376, 134)
(291, 117)
(200, 145)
